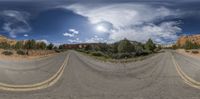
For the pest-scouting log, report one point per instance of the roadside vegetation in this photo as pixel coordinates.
(28, 47)
(124, 49)
(189, 47)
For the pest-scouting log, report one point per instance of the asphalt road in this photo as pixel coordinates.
(86, 78)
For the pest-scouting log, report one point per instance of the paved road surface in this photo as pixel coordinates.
(85, 78)
(29, 72)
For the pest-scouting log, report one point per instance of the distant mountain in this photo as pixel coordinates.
(4, 39)
(192, 38)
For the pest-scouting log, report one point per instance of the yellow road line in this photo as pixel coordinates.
(47, 83)
(188, 80)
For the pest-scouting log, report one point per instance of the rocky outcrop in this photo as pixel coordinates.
(192, 38)
(4, 39)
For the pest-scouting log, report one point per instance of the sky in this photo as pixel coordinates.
(91, 21)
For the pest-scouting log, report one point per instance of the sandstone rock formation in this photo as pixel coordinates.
(4, 39)
(192, 38)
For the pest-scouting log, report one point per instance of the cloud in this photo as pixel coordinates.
(15, 22)
(71, 33)
(95, 39)
(76, 40)
(68, 34)
(133, 21)
(43, 40)
(26, 35)
(159, 33)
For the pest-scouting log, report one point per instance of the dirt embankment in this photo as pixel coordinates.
(191, 53)
(31, 54)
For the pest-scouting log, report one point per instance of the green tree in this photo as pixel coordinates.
(189, 45)
(30, 44)
(19, 45)
(125, 46)
(41, 45)
(5, 45)
(55, 47)
(61, 47)
(50, 46)
(150, 45)
(114, 47)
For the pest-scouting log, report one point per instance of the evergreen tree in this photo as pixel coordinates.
(50, 46)
(19, 45)
(189, 45)
(61, 47)
(125, 46)
(41, 45)
(30, 44)
(150, 45)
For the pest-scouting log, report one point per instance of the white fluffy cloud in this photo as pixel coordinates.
(43, 40)
(71, 33)
(26, 35)
(133, 21)
(68, 34)
(76, 40)
(95, 39)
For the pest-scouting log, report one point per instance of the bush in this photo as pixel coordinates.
(121, 55)
(58, 50)
(7, 53)
(146, 52)
(187, 51)
(21, 52)
(125, 46)
(195, 52)
(97, 53)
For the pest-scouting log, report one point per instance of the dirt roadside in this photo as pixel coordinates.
(189, 53)
(34, 55)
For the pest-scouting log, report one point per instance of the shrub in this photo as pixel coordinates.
(97, 53)
(121, 55)
(50, 46)
(125, 46)
(142, 52)
(21, 52)
(58, 50)
(7, 53)
(195, 52)
(150, 45)
(187, 51)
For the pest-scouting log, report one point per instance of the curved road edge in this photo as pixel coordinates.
(188, 80)
(41, 85)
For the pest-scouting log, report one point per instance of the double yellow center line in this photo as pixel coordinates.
(41, 85)
(188, 80)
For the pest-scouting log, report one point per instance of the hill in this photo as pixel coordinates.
(192, 38)
(4, 39)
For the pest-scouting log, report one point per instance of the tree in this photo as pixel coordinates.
(50, 46)
(19, 45)
(114, 47)
(61, 46)
(150, 45)
(125, 46)
(30, 44)
(5, 45)
(190, 45)
(174, 46)
(41, 45)
(55, 47)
